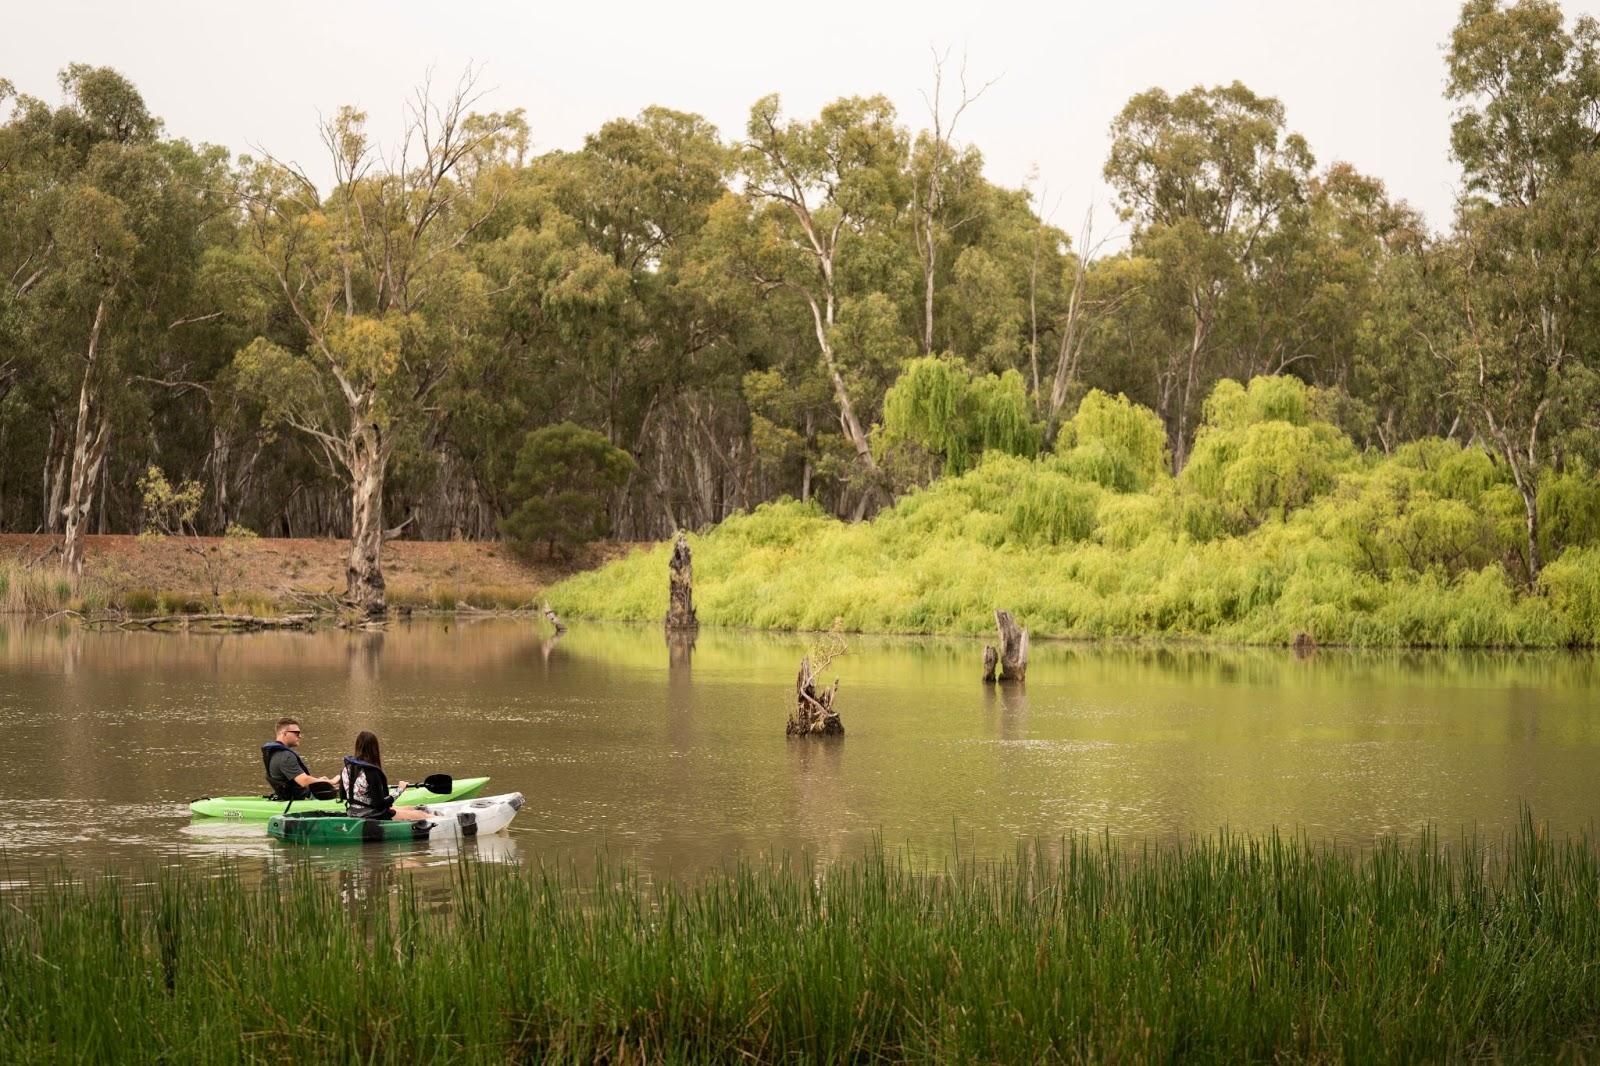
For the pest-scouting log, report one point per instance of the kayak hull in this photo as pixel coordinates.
(259, 809)
(447, 821)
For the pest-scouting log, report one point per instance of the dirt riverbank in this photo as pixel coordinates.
(161, 573)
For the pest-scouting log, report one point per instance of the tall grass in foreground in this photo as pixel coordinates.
(1228, 949)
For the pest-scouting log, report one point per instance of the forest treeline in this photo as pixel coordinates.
(836, 308)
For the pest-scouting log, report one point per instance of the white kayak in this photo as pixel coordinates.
(445, 821)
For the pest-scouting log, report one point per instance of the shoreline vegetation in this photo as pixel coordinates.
(1278, 526)
(1226, 948)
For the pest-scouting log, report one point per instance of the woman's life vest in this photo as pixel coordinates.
(365, 790)
(284, 787)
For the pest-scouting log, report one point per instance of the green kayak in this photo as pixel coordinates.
(260, 808)
(446, 821)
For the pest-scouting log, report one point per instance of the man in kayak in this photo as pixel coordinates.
(287, 772)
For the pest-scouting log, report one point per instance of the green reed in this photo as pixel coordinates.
(1225, 949)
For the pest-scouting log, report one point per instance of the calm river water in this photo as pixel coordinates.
(678, 762)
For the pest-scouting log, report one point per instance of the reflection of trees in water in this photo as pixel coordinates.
(492, 642)
(816, 766)
(365, 653)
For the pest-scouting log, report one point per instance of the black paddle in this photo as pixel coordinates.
(321, 790)
(440, 784)
(437, 783)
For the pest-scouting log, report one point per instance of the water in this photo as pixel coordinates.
(676, 760)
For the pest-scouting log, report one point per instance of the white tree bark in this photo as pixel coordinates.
(88, 450)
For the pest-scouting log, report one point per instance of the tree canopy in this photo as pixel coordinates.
(835, 306)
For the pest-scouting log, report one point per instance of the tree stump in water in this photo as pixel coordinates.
(1012, 656)
(813, 711)
(680, 597)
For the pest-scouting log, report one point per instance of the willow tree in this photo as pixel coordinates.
(379, 293)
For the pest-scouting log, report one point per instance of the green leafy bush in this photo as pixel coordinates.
(1278, 527)
(1114, 443)
(563, 477)
(938, 406)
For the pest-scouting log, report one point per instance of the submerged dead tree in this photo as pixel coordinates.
(1012, 656)
(680, 598)
(813, 711)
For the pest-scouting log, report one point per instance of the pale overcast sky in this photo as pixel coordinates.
(1362, 79)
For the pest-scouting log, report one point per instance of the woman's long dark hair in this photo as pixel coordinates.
(367, 748)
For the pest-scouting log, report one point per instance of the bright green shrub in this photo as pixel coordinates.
(1417, 548)
(1448, 469)
(937, 405)
(1051, 509)
(1571, 585)
(1114, 443)
(1569, 512)
(1265, 469)
(1266, 399)
(1386, 523)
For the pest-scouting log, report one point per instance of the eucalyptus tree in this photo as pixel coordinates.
(598, 317)
(1204, 177)
(1526, 133)
(939, 167)
(379, 295)
(106, 225)
(822, 219)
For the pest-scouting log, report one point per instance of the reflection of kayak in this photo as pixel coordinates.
(446, 821)
(258, 808)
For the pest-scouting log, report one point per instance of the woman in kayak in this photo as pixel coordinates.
(366, 790)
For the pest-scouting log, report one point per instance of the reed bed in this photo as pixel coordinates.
(1224, 949)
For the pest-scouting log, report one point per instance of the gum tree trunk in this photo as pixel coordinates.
(364, 587)
(88, 449)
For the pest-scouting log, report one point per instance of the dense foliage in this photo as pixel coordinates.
(563, 478)
(835, 308)
(1278, 526)
(1228, 949)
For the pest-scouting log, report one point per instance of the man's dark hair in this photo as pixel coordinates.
(283, 722)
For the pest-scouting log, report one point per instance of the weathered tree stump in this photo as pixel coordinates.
(554, 619)
(1012, 656)
(813, 711)
(680, 598)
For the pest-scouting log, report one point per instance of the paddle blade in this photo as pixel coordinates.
(322, 790)
(440, 783)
